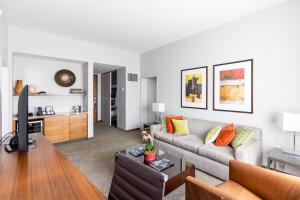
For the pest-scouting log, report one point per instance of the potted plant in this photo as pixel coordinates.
(150, 152)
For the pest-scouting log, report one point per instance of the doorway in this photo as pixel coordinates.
(111, 95)
(148, 96)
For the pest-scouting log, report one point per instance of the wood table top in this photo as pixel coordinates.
(42, 173)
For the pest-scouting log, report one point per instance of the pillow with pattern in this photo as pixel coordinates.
(163, 124)
(213, 134)
(242, 135)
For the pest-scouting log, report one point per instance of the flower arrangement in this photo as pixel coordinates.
(150, 152)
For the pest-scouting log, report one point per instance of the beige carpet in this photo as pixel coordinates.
(95, 157)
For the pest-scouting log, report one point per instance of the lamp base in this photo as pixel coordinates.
(291, 152)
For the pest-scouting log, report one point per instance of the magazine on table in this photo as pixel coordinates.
(137, 151)
(162, 164)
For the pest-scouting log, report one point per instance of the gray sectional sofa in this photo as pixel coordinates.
(208, 158)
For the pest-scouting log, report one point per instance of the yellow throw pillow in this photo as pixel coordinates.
(181, 127)
(213, 134)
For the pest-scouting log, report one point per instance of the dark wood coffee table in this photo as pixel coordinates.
(176, 174)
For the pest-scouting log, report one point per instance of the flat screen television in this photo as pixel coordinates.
(22, 133)
(21, 141)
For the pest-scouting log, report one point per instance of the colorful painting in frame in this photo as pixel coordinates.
(233, 86)
(194, 88)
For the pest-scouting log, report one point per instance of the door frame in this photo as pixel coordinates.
(95, 76)
(141, 93)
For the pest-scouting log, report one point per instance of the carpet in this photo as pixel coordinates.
(95, 157)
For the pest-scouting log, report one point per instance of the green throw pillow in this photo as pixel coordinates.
(181, 127)
(213, 134)
(242, 135)
(163, 124)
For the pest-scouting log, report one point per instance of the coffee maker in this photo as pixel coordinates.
(76, 109)
(40, 111)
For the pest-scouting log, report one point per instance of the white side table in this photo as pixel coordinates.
(277, 156)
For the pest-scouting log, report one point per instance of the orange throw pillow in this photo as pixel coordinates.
(170, 127)
(226, 135)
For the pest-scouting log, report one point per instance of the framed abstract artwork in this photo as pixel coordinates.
(233, 86)
(194, 88)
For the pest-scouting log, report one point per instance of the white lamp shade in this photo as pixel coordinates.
(158, 107)
(289, 121)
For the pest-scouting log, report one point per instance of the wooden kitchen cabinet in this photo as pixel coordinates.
(78, 126)
(57, 128)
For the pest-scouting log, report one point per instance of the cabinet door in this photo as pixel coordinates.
(57, 128)
(78, 126)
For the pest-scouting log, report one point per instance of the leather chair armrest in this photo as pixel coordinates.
(250, 152)
(155, 128)
(257, 179)
(198, 190)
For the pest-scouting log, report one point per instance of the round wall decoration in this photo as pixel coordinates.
(65, 78)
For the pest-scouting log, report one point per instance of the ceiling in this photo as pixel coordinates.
(134, 25)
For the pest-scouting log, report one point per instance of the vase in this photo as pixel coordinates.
(32, 89)
(19, 86)
(149, 157)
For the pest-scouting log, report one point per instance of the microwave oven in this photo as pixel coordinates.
(34, 126)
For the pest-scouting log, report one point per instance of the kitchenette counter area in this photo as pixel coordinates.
(35, 116)
(59, 127)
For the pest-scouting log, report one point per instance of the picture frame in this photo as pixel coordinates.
(233, 86)
(194, 87)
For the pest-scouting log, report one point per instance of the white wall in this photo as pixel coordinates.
(4, 121)
(3, 101)
(270, 37)
(3, 40)
(148, 96)
(40, 71)
(37, 43)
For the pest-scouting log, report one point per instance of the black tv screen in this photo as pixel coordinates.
(23, 120)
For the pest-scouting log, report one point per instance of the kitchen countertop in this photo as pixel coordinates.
(44, 116)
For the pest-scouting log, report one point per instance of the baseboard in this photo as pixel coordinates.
(134, 129)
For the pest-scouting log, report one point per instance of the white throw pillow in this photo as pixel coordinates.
(213, 134)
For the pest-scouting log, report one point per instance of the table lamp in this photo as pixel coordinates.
(158, 108)
(289, 122)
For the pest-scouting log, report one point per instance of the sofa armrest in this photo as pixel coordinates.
(198, 190)
(250, 152)
(155, 128)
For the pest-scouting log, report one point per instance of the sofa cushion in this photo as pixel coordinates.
(237, 191)
(213, 134)
(226, 136)
(181, 127)
(163, 124)
(219, 154)
(170, 127)
(242, 135)
(189, 142)
(165, 137)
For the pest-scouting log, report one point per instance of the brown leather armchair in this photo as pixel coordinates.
(246, 182)
(134, 181)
